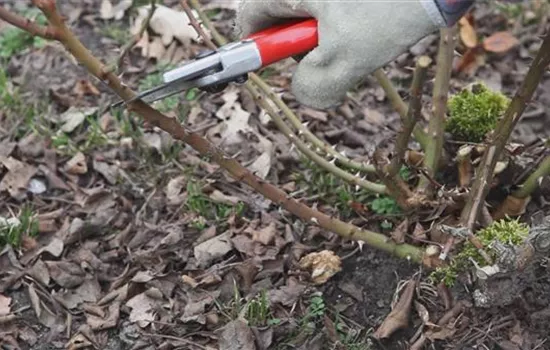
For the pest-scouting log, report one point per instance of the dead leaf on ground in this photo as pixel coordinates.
(236, 335)
(109, 319)
(74, 116)
(4, 305)
(261, 165)
(222, 198)
(500, 42)
(213, 249)
(468, 34)
(511, 206)
(65, 273)
(109, 171)
(286, 295)
(143, 309)
(84, 87)
(195, 308)
(77, 164)
(168, 23)
(175, 190)
(398, 235)
(18, 176)
(399, 316)
(442, 334)
(265, 235)
(323, 265)
(110, 11)
(235, 120)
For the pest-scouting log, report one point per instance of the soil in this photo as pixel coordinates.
(364, 291)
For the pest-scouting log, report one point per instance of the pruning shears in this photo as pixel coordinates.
(213, 70)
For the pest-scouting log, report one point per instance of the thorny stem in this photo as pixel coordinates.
(309, 153)
(533, 181)
(205, 148)
(447, 43)
(502, 133)
(28, 25)
(413, 114)
(397, 102)
(286, 111)
(303, 130)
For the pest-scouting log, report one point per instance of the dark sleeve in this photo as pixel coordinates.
(452, 10)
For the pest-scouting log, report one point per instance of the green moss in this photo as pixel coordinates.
(509, 232)
(474, 112)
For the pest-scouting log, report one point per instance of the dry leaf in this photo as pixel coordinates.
(85, 87)
(175, 190)
(468, 34)
(109, 320)
(500, 42)
(511, 206)
(220, 197)
(75, 116)
(213, 249)
(323, 265)
(108, 11)
(264, 235)
(4, 305)
(399, 316)
(18, 176)
(286, 295)
(235, 119)
(77, 164)
(398, 235)
(142, 309)
(236, 335)
(168, 23)
(65, 273)
(261, 165)
(109, 171)
(194, 310)
(419, 232)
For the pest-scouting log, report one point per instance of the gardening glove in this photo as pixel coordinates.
(355, 37)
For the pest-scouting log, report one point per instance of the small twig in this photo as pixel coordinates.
(413, 114)
(27, 25)
(502, 133)
(397, 102)
(434, 151)
(134, 40)
(196, 25)
(304, 131)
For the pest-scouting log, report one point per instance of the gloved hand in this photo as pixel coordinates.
(355, 38)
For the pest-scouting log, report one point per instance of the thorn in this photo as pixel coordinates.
(358, 174)
(361, 244)
(357, 187)
(315, 221)
(305, 124)
(292, 147)
(333, 161)
(343, 153)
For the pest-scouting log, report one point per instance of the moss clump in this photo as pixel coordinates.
(509, 232)
(474, 112)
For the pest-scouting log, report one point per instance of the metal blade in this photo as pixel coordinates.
(161, 92)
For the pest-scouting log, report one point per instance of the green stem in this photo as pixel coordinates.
(309, 153)
(533, 180)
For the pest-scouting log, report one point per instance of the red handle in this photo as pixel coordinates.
(286, 40)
